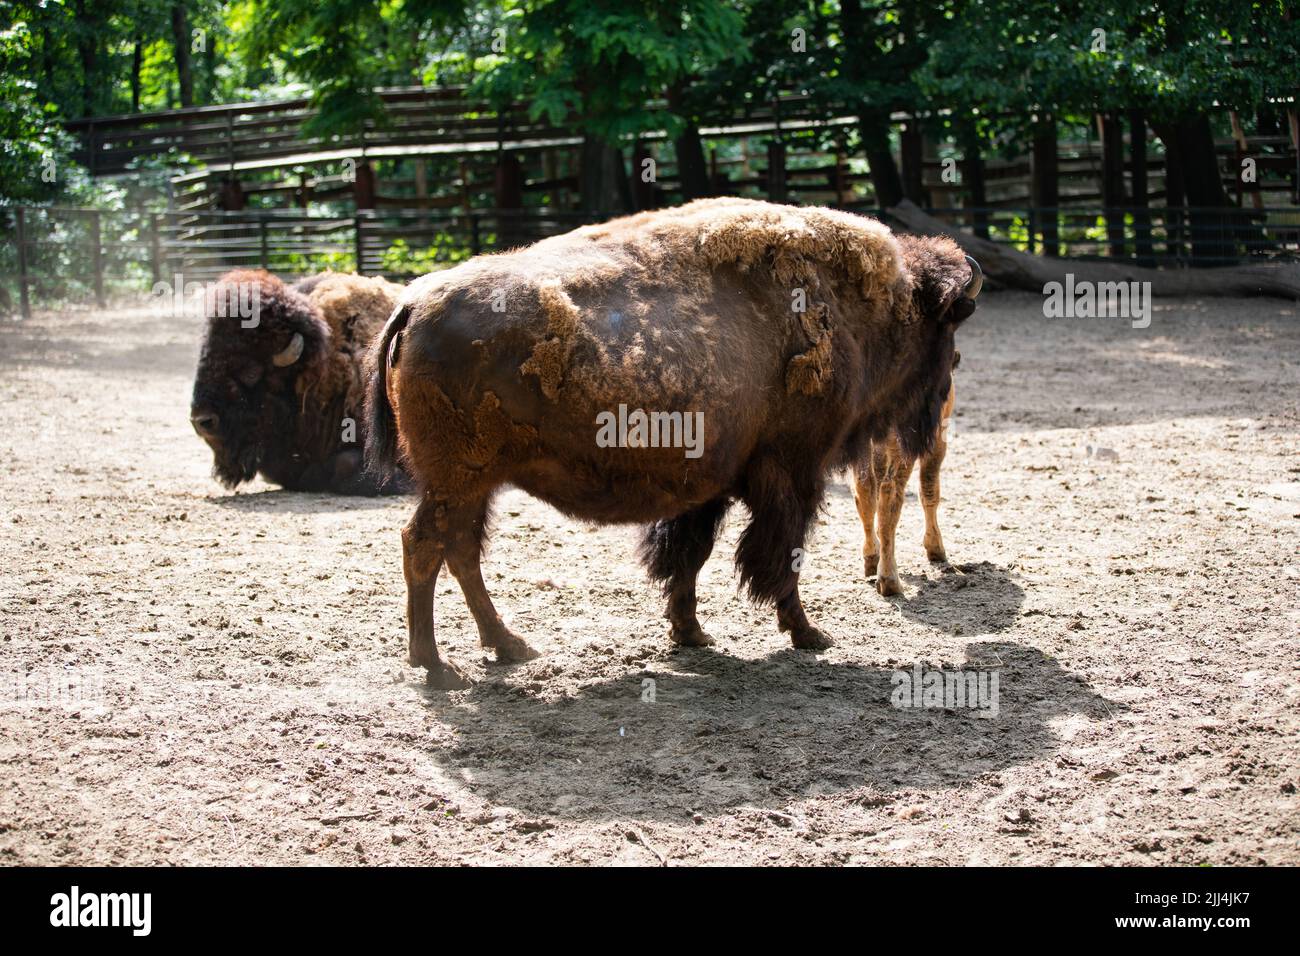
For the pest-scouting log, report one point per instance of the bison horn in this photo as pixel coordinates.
(976, 278)
(292, 352)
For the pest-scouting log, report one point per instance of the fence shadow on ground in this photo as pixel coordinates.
(725, 734)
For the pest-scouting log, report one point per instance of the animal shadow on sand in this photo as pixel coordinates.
(975, 598)
(724, 733)
(279, 501)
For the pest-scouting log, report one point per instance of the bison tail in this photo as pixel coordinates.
(381, 422)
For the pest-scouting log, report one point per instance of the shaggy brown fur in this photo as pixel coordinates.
(290, 423)
(879, 483)
(799, 334)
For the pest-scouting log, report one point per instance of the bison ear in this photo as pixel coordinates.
(956, 358)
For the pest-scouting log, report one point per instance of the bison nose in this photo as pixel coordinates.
(205, 423)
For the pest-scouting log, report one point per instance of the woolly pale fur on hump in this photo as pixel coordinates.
(355, 307)
(793, 241)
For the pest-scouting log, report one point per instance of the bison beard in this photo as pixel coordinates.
(694, 309)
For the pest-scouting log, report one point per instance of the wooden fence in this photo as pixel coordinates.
(52, 255)
(417, 121)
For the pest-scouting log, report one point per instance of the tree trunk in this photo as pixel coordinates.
(912, 154)
(873, 127)
(1138, 174)
(181, 46)
(776, 181)
(692, 168)
(1045, 183)
(1217, 225)
(1112, 180)
(643, 188)
(1019, 270)
(1175, 194)
(508, 197)
(88, 53)
(603, 181)
(137, 56)
(972, 167)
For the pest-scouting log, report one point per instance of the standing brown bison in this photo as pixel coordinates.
(279, 388)
(795, 336)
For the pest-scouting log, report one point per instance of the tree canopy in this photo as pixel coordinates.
(987, 65)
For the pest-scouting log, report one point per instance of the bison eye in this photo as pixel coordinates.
(251, 375)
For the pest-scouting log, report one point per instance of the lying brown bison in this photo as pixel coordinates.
(279, 388)
(795, 336)
(879, 481)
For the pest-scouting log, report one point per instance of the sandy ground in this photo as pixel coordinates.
(194, 676)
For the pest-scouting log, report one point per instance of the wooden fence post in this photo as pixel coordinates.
(474, 245)
(97, 256)
(261, 235)
(1293, 122)
(360, 246)
(155, 249)
(20, 224)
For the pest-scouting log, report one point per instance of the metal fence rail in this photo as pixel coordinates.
(52, 255)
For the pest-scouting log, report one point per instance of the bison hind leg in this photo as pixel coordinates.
(466, 527)
(782, 506)
(673, 552)
(422, 559)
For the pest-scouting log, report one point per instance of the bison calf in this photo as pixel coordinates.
(879, 482)
(795, 336)
(280, 392)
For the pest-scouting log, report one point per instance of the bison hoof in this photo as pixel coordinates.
(513, 649)
(423, 655)
(888, 586)
(447, 676)
(692, 636)
(869, 564)
(810, 639)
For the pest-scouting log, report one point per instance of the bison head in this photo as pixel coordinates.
(945, 283)
(245, 401)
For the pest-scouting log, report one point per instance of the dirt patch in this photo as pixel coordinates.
(228, 670)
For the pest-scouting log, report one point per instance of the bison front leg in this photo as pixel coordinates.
(422, 557)
(864, 496)
(892, 470)
(673, 552)
(782, 506)
(464, 546)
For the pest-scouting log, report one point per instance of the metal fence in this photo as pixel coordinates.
(50, 256)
